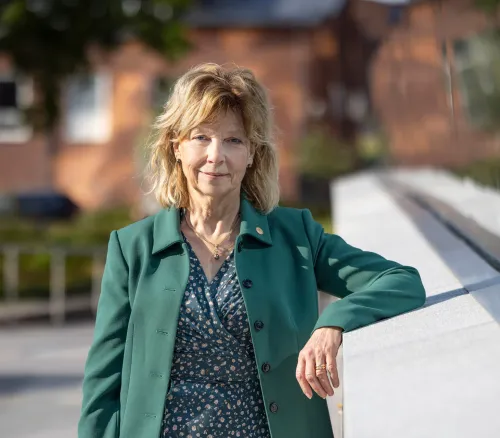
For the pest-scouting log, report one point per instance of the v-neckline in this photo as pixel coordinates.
(205, 278)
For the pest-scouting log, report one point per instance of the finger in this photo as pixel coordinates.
(331, 366)
(311, 377)
(300, 375)
(322, 374)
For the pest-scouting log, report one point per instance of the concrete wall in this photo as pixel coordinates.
(432, 372)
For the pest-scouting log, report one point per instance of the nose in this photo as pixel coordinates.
(215, 153)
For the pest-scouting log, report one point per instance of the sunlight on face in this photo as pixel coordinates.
(215, 156)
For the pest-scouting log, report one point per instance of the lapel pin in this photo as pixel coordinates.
(259, 230)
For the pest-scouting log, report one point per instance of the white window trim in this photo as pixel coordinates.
(78, 131)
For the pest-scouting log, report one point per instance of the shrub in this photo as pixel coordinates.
(486, 172)
(87, 230)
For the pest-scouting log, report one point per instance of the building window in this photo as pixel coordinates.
(477, 69)
(88, 108)
(16, 95)
(394, 15)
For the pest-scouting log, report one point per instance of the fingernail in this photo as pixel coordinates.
(309, 396)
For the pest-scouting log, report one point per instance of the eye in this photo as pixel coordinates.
(235, 140)
(200, 137)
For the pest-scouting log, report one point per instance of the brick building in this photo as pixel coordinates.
(434, 78)
(322, 60)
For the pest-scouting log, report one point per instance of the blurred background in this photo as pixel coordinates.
(355, 85)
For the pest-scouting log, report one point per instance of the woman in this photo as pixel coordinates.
(207, 324)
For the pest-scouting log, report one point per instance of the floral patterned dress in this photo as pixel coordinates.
(215, 390)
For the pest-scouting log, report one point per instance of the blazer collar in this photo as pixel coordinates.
(166, 229)
(167, 232)
(254, 223)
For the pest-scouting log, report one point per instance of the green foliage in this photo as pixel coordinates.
(486, 172)
(372, 148)
(34, 274)
(88, 230)
(320, 212)
(49, 40)
(326, 221)
(489, 6)
(323, 155)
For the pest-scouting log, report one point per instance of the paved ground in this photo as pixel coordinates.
(41, 371)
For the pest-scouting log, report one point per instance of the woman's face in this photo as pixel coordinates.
(215, 156)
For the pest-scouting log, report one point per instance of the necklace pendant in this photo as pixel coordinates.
(216, 256)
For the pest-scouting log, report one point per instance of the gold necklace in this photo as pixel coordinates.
(217, 246)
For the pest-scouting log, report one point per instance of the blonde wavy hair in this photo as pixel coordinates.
(199, 96)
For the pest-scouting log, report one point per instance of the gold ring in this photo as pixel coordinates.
(321, 367)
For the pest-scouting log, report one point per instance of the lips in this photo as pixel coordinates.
(214, 173)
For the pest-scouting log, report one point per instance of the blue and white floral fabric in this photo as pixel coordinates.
(215, 390)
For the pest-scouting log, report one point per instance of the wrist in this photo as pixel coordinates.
(339, 329)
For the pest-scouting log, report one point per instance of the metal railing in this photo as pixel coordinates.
(57, 305)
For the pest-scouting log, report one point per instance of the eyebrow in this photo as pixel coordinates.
(230, 132)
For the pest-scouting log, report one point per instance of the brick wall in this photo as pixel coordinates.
(97, 175)
(22, 166)
(409, 85)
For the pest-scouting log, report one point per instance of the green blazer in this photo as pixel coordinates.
(128, 366)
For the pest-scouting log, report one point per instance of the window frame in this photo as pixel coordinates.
(17, 131)
(76, 131)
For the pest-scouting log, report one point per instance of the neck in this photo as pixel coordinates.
(213, 216)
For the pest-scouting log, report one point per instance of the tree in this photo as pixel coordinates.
(49, 40)
(489, 6)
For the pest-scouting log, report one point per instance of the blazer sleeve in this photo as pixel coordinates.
(369, 286)
(102, 378)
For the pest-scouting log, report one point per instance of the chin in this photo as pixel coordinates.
(213, 190)
(216, 191)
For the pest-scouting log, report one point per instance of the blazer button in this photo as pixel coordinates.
(247, 283)
(273, 407)
(240, 246)
(266, 367)
(259, 325)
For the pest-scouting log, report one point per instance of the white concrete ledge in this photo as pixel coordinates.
(432, 372)
(478, 202)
